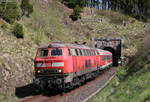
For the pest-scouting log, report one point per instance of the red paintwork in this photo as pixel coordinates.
(74, 63)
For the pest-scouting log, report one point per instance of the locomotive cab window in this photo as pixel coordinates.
(42, 52)
(56, 52)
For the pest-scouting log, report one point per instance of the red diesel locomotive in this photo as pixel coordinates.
(63, 65)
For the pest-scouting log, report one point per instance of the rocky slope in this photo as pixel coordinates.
(16, 63)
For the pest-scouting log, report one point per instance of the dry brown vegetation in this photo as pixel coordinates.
(147, 42)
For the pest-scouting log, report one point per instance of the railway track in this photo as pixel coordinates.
(81, 94)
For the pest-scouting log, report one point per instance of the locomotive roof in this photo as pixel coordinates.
(65, 45)
(51, 45)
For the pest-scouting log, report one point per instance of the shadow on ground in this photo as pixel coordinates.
(30, 90)
(24, 91)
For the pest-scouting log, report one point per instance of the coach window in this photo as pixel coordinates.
(108, 57)
(73, 53)
(93, 53)
(79, 52)
(111, 57)
(76, 52)
(103, 58)
(84, 52)
(88, 52)
(97, 52)
(69, 52)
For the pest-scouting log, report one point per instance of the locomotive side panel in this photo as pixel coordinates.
(68, 68)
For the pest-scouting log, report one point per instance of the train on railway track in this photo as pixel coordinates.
(64, 65)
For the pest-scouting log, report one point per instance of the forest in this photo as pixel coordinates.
(139, 9)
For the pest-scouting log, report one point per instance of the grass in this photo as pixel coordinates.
(49, 21)
(115, 17)
(102, 96)
(135, 89)
(4, 98)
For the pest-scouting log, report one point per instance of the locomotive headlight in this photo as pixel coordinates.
(59, 70)
(38, 71)
(58, 64)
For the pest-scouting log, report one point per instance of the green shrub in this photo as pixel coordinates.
(26, 7)
(73, 3)
(9, 11)
(18, 30)
(76, 13)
